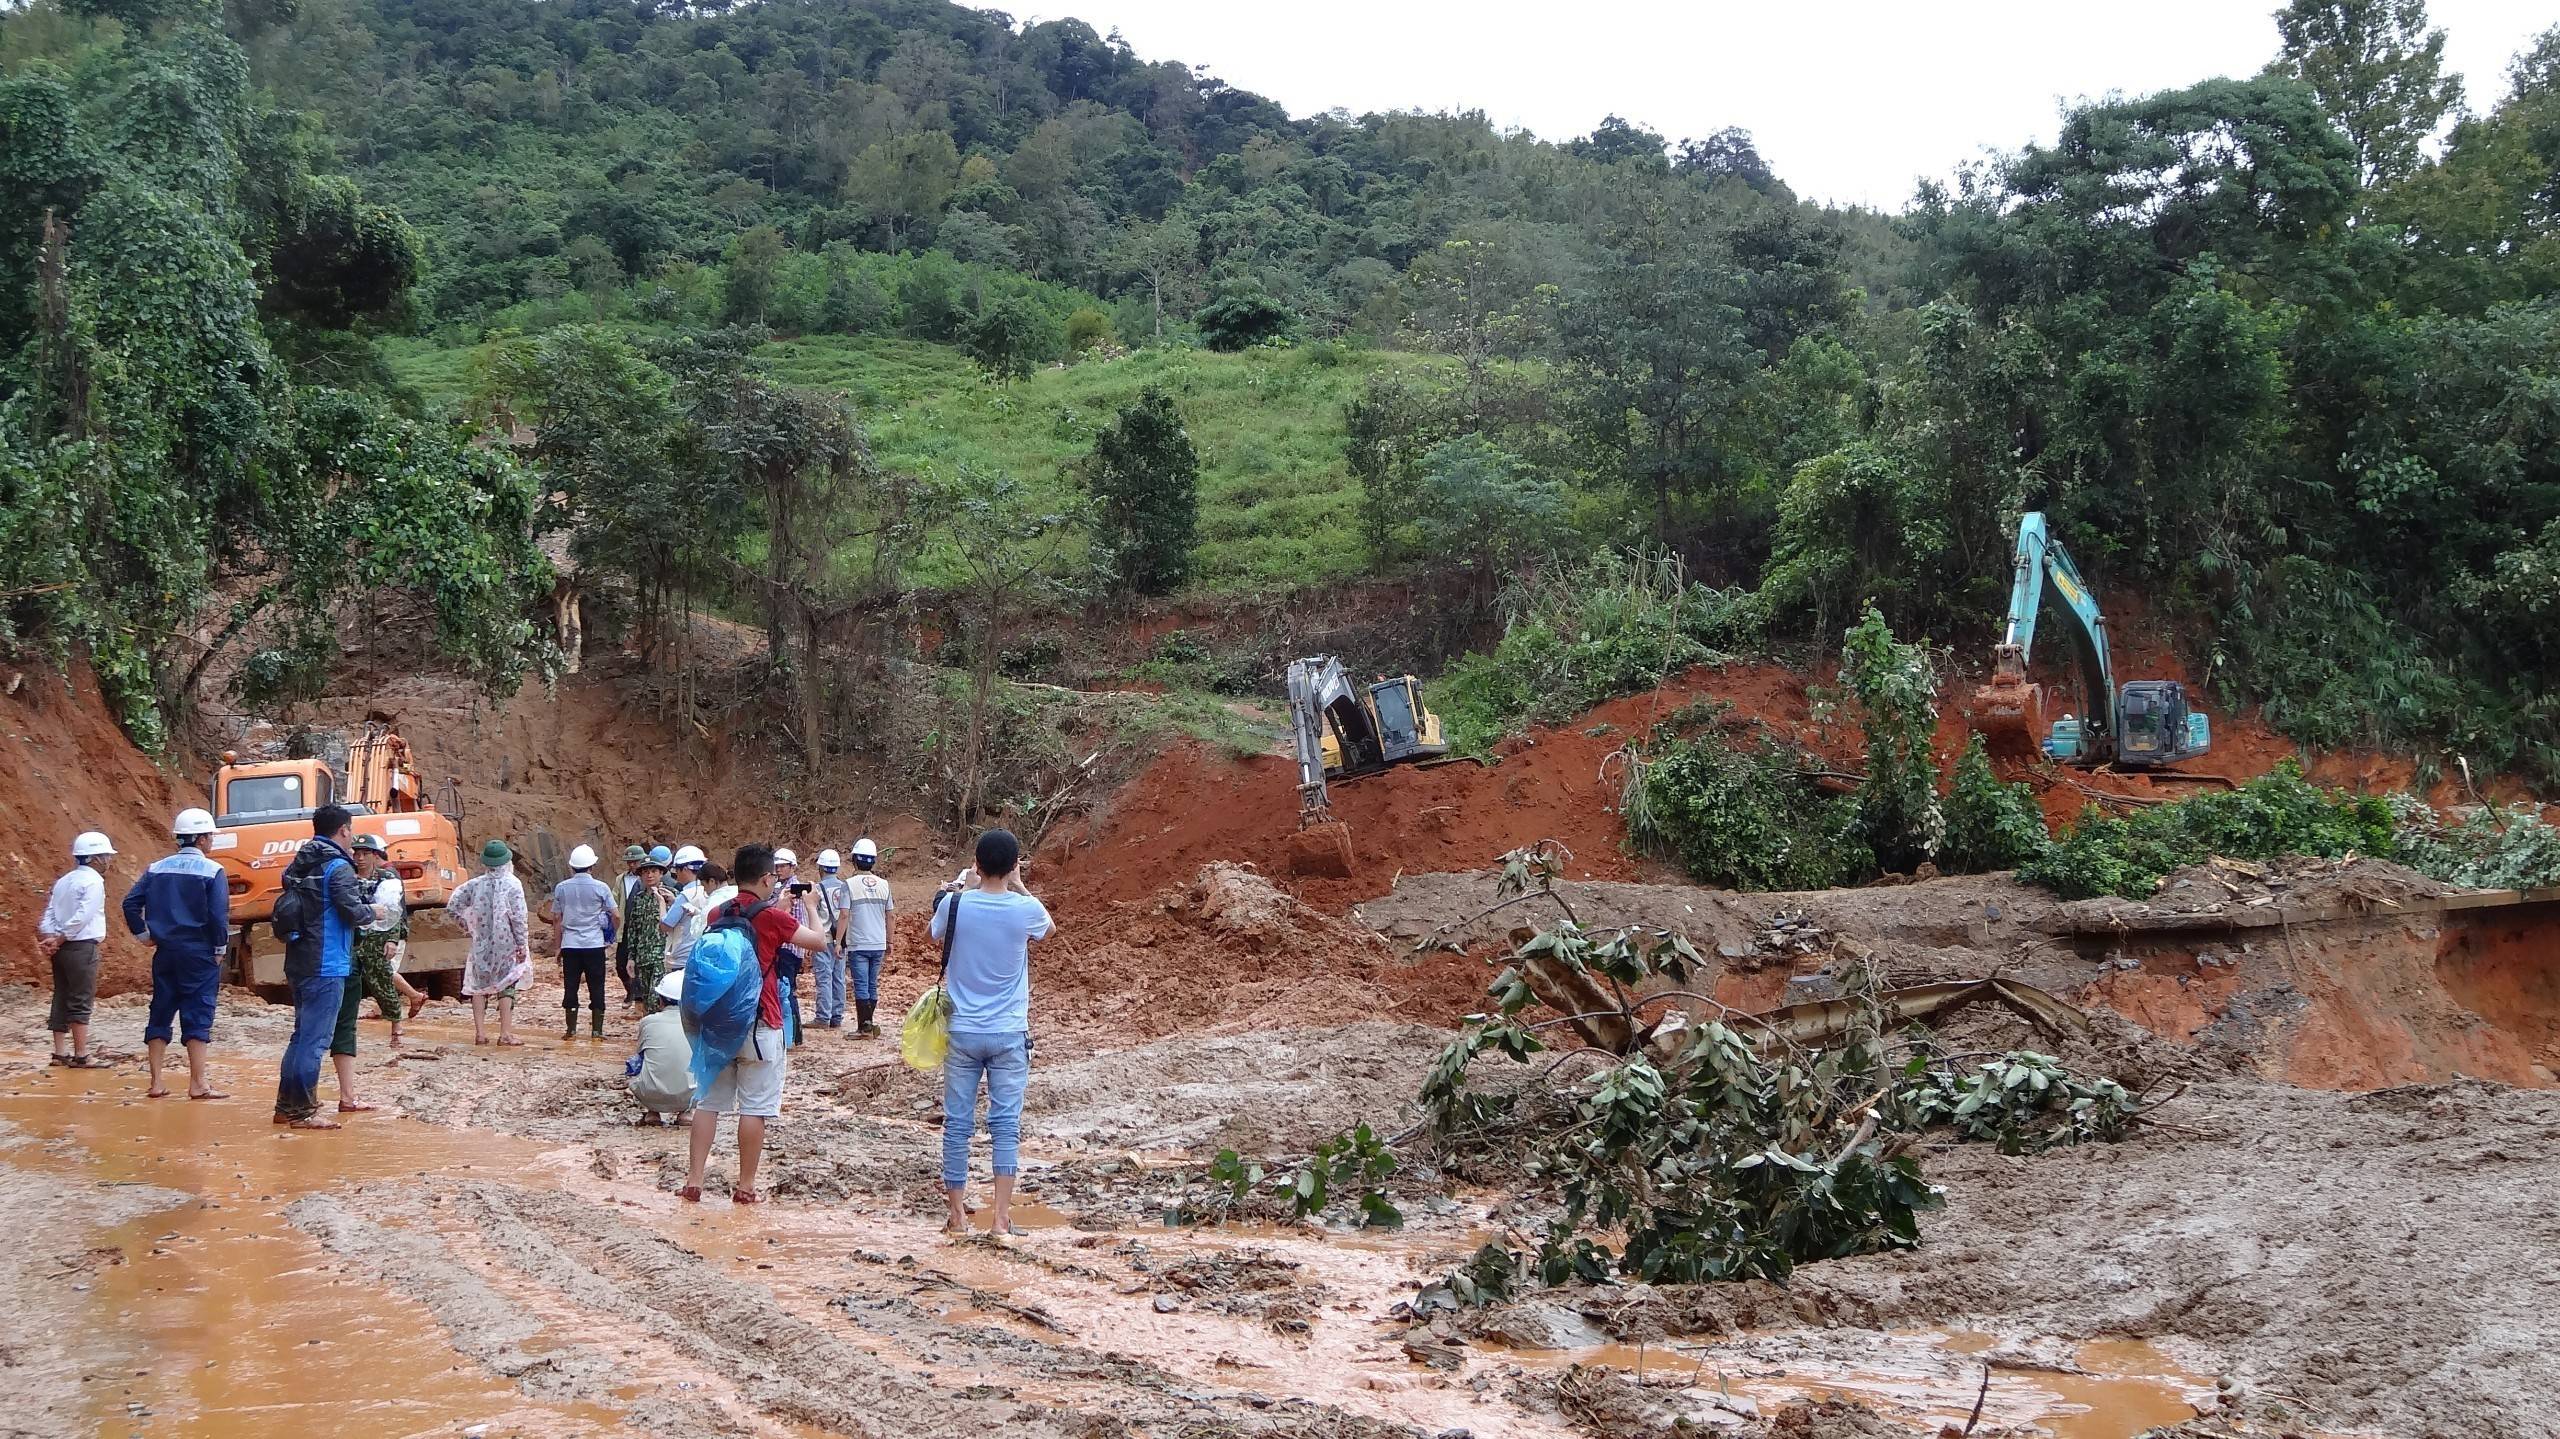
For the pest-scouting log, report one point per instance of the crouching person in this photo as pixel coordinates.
(662, 1071)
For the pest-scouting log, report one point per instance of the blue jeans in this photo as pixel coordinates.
(1005, 1062)
(315, 1018)
(830, 987)
(866, 973)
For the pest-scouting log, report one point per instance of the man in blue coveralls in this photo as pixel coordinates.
(183, 905)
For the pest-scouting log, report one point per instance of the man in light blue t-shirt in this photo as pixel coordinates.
(584, 907)
(989, 981)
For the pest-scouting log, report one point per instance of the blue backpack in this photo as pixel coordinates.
(723, 985)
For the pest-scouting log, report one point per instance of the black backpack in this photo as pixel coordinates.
(302, 910)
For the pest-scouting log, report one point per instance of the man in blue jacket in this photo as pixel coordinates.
(319, 953)
(183, 905)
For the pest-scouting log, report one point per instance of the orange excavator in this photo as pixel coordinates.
(262, 812)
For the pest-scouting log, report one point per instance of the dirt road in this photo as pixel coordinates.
(504, 1249)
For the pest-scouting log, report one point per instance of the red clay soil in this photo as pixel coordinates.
(1192, 807)
(66, 767)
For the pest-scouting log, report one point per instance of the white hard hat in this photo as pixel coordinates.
(583, 857)
(192, 822)
(863, 848)
(89, 843)
(671, 985)
(829, 859)
(785, 856)
(690, 854)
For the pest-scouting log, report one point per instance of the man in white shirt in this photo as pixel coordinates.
(866, 934)
(75, 920)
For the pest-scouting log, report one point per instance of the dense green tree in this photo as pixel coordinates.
(1658, 355)
(1241, 315)
(165, 231)
(1010, 335)
(746, 290)
(904, 180)
(2379, 72)
(1145, 480)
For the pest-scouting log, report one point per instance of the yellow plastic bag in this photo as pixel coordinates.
(925, 1037)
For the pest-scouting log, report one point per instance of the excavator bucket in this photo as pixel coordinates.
(2009, 712)
(1322, 849)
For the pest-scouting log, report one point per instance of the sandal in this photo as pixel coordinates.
(690, 1194)
(62, 1061)
(346, 1108)
(208, 1094)
(512, 1043)
(745, 1196)
(159, 1094)
(313, 1121)
(84, 1061)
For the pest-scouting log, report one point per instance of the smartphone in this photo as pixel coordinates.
(801, 886)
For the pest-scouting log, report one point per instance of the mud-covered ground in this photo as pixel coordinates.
(502, 1246)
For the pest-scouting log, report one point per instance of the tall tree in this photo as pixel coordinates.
(1657, 354)
(2379, 72)
(1145, 479)
(1012, 547)
(904, 180)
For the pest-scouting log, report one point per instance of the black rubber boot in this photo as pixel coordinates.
(569, 1029)
(862, 1018)
(599, 1024)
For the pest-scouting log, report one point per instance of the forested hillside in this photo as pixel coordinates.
(2274, 350)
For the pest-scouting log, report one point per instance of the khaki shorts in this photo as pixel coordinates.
(752, 1084)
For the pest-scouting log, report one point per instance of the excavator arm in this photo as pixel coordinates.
(1320, 693)
(2011, 707)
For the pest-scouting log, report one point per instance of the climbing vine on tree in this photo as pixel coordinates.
(156, 446)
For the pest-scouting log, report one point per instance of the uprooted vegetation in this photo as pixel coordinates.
(1576, 634)
(1669, 1138)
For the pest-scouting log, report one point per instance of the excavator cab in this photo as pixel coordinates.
(2157, 727)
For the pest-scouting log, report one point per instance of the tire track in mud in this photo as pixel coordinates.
(670, 1311)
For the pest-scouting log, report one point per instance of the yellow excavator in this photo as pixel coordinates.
(1343, 731)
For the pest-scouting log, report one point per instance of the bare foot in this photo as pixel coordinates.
(314, 1121)
(479, 1039)
(208, 1094)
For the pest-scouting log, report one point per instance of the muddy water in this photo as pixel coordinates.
(222, 1319)
(1927, 1379)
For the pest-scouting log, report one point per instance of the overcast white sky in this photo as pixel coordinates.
(1850, 100)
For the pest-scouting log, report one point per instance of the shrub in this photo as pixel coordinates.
(1895, 694)
(1088, 328)
(1990, 825)
(2278, 813)
(1745, 819)
(1582, 632)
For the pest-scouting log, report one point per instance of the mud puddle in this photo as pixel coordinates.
(1929, 1380)
(218, 1317)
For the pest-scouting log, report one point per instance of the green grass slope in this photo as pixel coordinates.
(1278, 505)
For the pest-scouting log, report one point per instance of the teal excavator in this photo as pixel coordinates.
(2146, 724)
